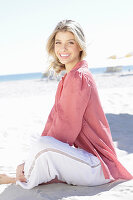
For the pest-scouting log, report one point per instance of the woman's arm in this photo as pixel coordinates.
(51, 115)
(70, 109)
(5, 179)
(49, 121)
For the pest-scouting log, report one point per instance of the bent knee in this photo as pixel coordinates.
(45, 141)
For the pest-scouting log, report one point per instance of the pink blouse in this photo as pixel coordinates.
(77, 118)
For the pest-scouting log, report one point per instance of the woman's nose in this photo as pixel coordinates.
(64, 46)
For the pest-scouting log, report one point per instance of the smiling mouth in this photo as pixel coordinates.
(64, 55)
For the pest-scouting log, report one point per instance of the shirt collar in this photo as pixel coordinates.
(82, 63)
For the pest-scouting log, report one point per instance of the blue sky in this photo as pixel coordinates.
(26, 24)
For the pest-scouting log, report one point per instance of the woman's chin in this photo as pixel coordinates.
(64, 61)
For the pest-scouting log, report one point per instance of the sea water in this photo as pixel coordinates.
(39, 75)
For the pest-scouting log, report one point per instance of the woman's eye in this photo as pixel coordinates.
(71, 42)
(67, 44)
(57, 43)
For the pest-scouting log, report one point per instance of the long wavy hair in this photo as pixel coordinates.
(73, 27)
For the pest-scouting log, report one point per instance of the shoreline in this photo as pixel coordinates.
(109, 70)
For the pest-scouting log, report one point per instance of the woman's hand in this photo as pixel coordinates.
(20, 173)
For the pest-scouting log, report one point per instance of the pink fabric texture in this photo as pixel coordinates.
(77, 118)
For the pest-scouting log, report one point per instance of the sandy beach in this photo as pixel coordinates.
(24, 108)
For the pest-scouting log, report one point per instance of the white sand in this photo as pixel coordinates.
(24, 108)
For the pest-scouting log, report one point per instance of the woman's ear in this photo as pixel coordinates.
(80, 48)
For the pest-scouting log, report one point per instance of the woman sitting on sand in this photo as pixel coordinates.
(76, 145)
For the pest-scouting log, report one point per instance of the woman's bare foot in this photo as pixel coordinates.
(5, 179)
(20, 173)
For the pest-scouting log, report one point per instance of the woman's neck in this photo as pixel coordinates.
(70, 66)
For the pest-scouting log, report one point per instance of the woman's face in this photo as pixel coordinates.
(66, 48)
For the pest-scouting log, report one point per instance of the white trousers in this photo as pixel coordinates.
(50, 158)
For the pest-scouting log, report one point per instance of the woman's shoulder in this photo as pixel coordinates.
(83, 75)
(80, 74)
(77, 80)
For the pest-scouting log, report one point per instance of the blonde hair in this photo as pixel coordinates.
(73, 27)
